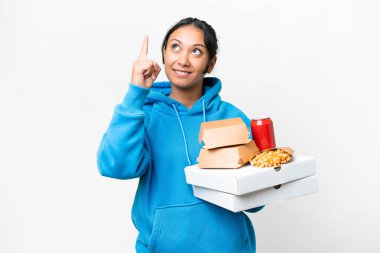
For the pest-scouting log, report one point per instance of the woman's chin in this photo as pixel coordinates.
(182, 83)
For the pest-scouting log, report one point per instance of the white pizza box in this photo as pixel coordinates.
(249, 178)
(237, 203)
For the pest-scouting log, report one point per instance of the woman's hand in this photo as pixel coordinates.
(144, 71)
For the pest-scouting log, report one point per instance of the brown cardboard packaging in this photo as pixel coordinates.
(226, 144)
(222, 133)
(227, 157)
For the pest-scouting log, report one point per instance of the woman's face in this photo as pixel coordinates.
(186, 57)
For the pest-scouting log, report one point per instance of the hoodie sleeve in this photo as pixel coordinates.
(123, 151)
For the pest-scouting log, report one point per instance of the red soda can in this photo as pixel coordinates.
(263, 132)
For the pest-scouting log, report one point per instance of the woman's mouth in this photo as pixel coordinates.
(182, 73)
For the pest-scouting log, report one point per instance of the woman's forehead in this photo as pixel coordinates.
(188, 35)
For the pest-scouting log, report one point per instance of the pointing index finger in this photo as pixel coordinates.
(144, 50)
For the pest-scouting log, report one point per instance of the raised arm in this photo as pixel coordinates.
(124, 149)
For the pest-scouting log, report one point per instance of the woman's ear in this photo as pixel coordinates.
(211, 65)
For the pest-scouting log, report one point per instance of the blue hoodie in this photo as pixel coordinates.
(154, 137)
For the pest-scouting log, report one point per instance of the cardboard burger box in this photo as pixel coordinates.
(226, 144)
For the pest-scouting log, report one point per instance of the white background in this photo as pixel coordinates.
(313, 66)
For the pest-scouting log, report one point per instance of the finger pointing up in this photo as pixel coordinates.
(144, 50)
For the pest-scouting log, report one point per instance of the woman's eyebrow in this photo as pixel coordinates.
(200, 45)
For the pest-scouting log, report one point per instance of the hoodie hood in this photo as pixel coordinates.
(160, 91)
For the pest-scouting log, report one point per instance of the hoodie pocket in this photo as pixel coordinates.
(200, 227)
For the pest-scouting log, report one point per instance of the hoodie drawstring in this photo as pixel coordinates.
(204, 112)
(183, 132)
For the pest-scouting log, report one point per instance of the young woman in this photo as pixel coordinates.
(153, 135)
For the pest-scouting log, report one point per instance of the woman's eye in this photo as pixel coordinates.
(197, 51)
(175, 47)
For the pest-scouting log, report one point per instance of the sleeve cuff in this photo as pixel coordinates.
(135, 97)
(255, 210)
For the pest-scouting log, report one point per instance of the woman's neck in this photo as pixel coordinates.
(187, 97)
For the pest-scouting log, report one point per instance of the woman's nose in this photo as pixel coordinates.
(184, 59)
